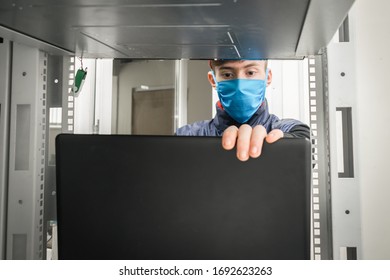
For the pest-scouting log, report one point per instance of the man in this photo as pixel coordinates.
(242, 117)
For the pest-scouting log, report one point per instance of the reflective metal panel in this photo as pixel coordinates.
(174, 29)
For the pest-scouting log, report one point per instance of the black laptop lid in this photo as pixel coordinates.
(166, 197)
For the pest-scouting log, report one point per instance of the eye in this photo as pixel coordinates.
(227, 75)
(251, 73)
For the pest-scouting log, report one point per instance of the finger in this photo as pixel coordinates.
(243, 142)
(274, 136)
(257, 140)
(229, 137)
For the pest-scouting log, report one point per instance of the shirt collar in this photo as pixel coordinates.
(222, 120)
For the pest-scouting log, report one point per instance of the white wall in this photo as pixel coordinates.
(200, 101)
(373, 101)
(162, 74)
(288, 94)
(134, 74)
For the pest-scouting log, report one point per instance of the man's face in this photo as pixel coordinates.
(241, 69)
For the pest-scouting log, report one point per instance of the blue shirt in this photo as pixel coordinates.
(221, 121)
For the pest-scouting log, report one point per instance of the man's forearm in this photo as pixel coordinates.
(298, 131)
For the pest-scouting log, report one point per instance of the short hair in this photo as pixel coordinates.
(218, 62)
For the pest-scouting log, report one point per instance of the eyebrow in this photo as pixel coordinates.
(252, 65)
(246, 66)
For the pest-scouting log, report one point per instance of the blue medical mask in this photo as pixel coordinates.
(241, 98)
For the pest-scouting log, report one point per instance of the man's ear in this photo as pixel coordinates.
(211, 79)
(269, 78)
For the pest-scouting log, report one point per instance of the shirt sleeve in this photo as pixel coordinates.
(298, 131)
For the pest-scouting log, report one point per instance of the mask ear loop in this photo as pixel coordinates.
(215, 79)
(266, 76)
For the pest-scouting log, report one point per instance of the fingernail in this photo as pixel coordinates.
(254, 150)
(227, 143)
(243, 155)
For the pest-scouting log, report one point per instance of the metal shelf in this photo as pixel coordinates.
(174, 29)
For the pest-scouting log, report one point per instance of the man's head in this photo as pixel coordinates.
(239, 69)
(240, 85)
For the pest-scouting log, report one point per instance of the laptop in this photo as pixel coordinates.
(181, 198)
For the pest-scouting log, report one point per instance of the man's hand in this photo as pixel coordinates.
(249, 141)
